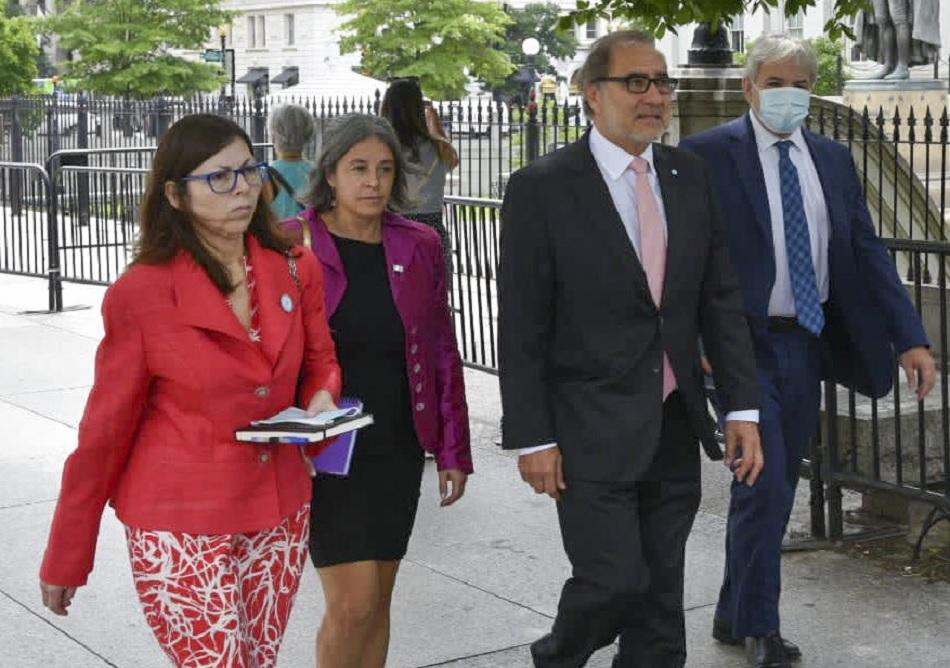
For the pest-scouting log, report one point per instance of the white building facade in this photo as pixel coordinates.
(275, 36)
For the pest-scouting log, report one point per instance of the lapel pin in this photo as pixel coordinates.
(398, 268)
(286, 302)
(674, 172)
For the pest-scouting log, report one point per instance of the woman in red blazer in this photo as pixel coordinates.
(218, 321)
(388, 309)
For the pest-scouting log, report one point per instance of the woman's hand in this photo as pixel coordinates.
(454, 478)
(320, 402)
(57, 598)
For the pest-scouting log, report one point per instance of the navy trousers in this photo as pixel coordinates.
(758, 515)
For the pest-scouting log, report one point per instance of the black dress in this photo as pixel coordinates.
(368, 515)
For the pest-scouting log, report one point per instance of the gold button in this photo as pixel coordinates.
(418, 387)
(413, 349)
(262, 392)
(420, 406)
(263, 458)
(416, 368)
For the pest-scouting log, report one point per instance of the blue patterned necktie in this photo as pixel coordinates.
(801, 271)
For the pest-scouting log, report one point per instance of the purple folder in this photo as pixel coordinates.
(337, 457)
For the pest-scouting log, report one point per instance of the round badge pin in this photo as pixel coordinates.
(286, 302)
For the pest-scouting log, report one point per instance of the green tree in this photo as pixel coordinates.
(538, 20)
(662, 15)
(18, 53)
(433, 40)
(124, 46)
(828, 52)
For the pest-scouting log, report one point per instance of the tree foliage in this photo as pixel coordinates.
(663, 15)
(18, 53)
(538, 20)
(124, 47)
(435, 41)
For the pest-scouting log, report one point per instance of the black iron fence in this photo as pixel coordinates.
(75, 220)
(902, 160)
(492, 138)
(897, 445)
(474, 226)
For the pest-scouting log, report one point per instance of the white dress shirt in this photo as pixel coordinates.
(614, 165)
(782, 300)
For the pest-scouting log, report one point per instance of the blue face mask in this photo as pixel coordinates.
(783, 110)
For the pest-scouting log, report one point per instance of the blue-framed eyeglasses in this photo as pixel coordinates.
(225, 180)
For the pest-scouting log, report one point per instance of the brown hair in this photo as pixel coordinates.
(165, 230)
(342, 134)
(597, 64)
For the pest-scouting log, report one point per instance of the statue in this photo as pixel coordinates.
(899, 34)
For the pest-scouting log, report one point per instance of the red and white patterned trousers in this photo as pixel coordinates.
(220, 600)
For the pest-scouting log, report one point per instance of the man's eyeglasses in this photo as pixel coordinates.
(637, 83)
(225, 180)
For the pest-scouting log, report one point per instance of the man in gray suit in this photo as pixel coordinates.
(613, 264)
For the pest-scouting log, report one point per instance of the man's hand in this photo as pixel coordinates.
(743, 437)
(57, 598)
(543, 471)
(920, 370)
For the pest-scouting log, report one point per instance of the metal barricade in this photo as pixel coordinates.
(28, 234)
(474, 225)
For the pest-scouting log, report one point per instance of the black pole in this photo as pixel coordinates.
(16, 178)
(532, 129)
(82, 178)
(224, 65)
(259, 124)
(839, 75)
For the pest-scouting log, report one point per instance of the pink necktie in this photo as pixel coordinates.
(652, 249)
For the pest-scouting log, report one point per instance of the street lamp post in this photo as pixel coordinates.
(530, 48)
(223, 31)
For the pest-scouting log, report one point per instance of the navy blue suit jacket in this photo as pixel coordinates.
(868, 312)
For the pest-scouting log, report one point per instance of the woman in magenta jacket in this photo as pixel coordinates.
(219, 321)
(388, 310)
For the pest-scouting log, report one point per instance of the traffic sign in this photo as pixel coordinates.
(212, 56)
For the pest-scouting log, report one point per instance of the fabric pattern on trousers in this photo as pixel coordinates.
(220, 600)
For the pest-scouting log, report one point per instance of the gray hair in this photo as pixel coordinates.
(597, 64)
(776, 48)
(342, 134)
(291, 128)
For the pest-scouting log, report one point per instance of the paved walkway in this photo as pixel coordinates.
(481, 579)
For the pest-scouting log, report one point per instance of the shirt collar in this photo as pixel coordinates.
(612, 159)
(766, 139)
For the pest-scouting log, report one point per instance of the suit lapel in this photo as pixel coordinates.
(199, 301)
(833, 202)
(334, 276)
(676, 237)
(596, 207)
(278, 297)
(399, 248)
(745, 155)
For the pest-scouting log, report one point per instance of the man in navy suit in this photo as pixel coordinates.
(822, 298)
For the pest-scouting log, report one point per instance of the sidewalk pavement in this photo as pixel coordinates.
(480, 582)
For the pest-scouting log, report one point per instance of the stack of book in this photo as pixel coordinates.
(293, 425)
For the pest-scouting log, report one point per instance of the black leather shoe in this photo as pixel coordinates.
(722, 632)
(767, 652)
